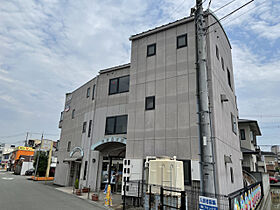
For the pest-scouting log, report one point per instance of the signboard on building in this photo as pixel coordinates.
(46, 145)
(25, 148)
(207, 203)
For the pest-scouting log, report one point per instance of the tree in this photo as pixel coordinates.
(43, 163)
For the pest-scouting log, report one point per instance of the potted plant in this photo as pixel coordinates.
(86, 189)
(76, 185)
(94, 197)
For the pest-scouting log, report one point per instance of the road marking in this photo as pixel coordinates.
(7, 178)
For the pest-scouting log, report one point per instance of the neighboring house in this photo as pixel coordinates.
(276, 149)
(19, 155)
(149, 108)
(248, 132)
(33, 143)
(47, 143)
(5, 151)
(271, 162)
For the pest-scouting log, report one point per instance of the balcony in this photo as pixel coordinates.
(261, 163)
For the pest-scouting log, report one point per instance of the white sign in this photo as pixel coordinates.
(206, 203)
(46, 145)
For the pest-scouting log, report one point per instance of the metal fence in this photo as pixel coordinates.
(248, 197)
(139, 195)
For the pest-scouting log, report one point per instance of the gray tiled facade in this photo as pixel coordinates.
(171, 129)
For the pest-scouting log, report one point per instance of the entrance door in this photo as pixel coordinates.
(115, 166)
(75, 168)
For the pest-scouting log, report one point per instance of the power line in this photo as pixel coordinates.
(15, 135)
(223, 6)
(249, 10)
(226, 16)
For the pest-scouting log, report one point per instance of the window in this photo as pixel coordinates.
(187, 172)
(68, 146)
(229, 78)
(151, 50)
(234, 124)
(251, 136)
(93, 91)
(89, 128)
(231, 175)
(242, 134)
(119, 85)
(61, 116)
(88, 92)
(116, 125)
(182, 41)
(150, 103)
(84, 127)
(217, 52)
(85, 170)
(223, 64)
(73, 114)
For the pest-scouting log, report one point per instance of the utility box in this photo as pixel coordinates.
(132, 177)
(166, 172)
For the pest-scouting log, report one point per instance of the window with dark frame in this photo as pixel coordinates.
(231, 175)
(151, 50)
(93, 91)
(229, 78)
(88, 92)
(217, 53)
(89, 128)
(150, 103)
(187, 172)
(119, 85)
(85, 170)
(223, 64)
(116, 125)
(84, 127)
(73, 114)
(242, 134)
(233, 124)
(68, 146)
(182, 41)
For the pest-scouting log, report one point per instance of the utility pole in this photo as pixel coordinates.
(207, 183)
(38, 158)
(26, 139)
(49, 160)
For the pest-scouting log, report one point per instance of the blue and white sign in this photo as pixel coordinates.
(206, 203)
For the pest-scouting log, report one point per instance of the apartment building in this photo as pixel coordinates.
(149, 108)
(248, 132)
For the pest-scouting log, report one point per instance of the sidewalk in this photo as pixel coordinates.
(116, 198)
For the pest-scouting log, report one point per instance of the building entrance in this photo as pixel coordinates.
(75, 168)
(112, 168)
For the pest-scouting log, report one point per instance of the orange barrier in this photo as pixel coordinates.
(42, 178)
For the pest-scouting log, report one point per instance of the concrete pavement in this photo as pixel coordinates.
(18, 193)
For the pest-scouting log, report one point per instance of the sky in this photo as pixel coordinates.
(51, 47)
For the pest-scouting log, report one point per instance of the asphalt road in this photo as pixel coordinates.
(18, 193)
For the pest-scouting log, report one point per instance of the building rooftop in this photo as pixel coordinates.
(162, 27)
(248, 151)
(123, 66)
(176, 23)
(253, 125)
(268, 153)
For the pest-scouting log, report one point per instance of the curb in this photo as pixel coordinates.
(88, 200)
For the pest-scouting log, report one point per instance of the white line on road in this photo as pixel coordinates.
(7, 178)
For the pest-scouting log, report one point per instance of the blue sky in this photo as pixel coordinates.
(48, 48)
